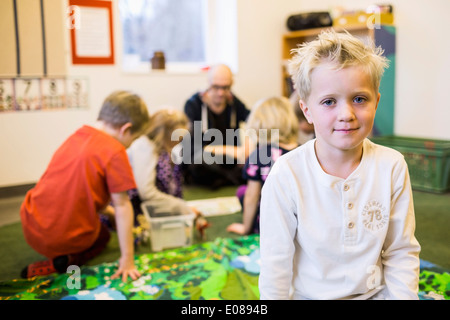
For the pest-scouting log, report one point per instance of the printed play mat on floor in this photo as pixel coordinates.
(225, 269)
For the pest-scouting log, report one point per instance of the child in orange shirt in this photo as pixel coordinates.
(60, 215)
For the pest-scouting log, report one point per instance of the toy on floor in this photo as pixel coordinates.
(141, 230)
(200, 225)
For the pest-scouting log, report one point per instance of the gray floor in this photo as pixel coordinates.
(9, 210)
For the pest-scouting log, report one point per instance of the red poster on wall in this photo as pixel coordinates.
(91, 31)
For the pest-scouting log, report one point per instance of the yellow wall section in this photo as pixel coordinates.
(8, 59)
(54, 37)
(30, 38)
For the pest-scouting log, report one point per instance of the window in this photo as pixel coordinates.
(185, 30)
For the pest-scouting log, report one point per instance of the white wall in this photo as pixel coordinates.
(28, 140)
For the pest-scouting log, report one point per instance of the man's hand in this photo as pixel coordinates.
(206, 97)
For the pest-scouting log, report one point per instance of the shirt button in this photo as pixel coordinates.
(350, 225)
(346, 187)
(349, 205)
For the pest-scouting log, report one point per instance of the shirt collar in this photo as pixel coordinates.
(329, 180)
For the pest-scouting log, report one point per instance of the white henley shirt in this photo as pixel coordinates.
(324, 237)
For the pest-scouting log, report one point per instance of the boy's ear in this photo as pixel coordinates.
(125, 128)
(378, 100)
(305, 110)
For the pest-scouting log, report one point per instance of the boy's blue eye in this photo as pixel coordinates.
(328, 102)
(359, 99)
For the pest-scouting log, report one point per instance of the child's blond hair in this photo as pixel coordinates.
(274, 113)
(163, 123)
(122, 107)
(341, 49)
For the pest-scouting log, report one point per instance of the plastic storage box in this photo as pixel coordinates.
(168, 231)
(428, 161)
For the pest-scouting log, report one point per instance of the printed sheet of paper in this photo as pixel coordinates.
(77, 92)
(93, 36)
(216, 206)
(28, 94)
(7, 94)
(53, 93)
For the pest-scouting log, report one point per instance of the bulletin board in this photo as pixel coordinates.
(91, 31)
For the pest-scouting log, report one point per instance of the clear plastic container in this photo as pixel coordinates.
(169, 231)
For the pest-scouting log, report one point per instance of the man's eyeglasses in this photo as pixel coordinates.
(217, 87)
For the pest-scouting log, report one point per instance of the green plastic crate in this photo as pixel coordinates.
(428, 161)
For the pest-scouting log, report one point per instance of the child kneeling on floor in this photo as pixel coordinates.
(159, 179)
(275, 129)
(60, 215)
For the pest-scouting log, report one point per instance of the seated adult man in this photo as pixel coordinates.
(217, 154)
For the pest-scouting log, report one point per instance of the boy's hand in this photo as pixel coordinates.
(124, 221)
(238, 228)
(126, 268)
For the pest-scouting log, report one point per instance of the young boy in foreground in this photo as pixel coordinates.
(60, 215)
(337, 215)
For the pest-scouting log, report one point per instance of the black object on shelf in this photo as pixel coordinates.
(309, 20)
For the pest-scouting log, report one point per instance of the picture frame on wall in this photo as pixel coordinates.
(91, 31)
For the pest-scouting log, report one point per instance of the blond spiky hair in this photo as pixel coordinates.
(341, 49)
(274, 113)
